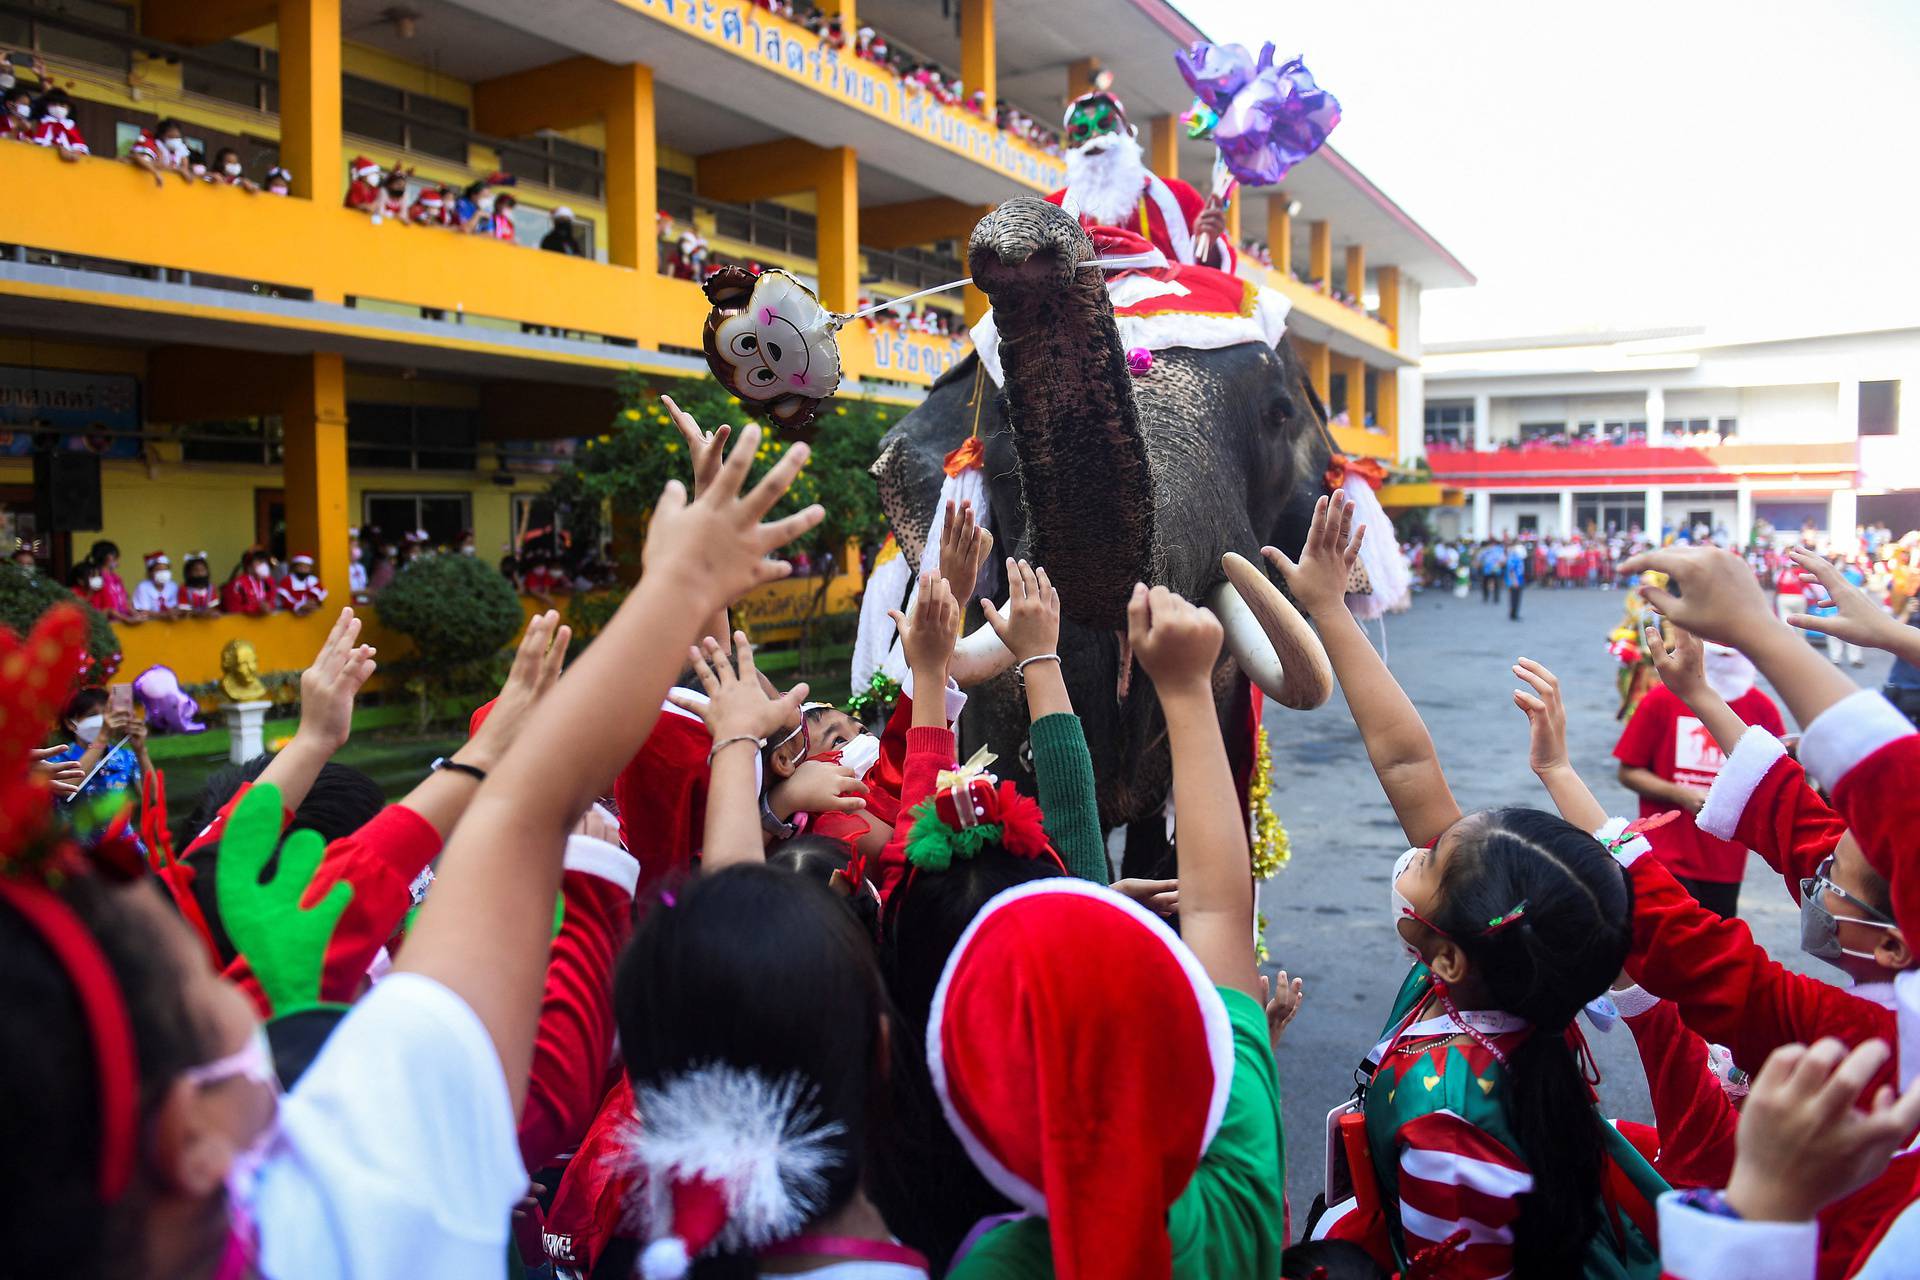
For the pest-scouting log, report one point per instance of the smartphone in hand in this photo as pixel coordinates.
(120, 699)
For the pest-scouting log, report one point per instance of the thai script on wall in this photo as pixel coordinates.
(94, 412)
(800, 55)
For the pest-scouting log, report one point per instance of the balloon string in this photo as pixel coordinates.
(1131, 260)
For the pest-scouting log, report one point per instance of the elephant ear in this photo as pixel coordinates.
(910, 468)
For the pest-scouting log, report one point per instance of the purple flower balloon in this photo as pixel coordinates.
(1275, 121)
(169, 710)
(1215, 72)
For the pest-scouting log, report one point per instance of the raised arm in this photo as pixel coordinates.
(1547, 746)
(327, 689)
(741, 717)
(1177, 644)
(1683, 669)
(1857, 619)
(705, 449)
(485, 931)
(1398, 744)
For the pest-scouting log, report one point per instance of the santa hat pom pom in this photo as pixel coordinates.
(665, 1259)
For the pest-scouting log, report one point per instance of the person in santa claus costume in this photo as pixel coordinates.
(57, 129)
(363, 189)
(1109, 184)
(198, 595)
(249, 588)
(162, 149)
(431, 209)
(301, 590)
(393, 196)
(157, 595)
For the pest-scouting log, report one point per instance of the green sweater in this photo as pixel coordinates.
(1063, 770)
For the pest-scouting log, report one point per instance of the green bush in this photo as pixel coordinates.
(26, 594)
(456, 609)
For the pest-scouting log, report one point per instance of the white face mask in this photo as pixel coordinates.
(6, 80)
(468, 549)
(161, 577)
(23, 109)
(175, 146)
(58, 113)
(1402, 908)
(94, 583)
(353, 554)
(263, 570)
(861, 754)
(276, 190)
(87, 728)
(233, 170)
(253, 1063)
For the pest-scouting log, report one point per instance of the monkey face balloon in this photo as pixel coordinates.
(771, 343)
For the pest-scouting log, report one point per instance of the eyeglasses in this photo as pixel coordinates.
(1820, 881)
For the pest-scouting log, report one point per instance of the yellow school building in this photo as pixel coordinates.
(249, 369)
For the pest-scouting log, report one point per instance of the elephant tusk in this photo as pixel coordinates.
(1267, 636)
(980, 655)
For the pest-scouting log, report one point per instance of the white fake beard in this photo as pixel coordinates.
(1728, 672)
(1105, 176)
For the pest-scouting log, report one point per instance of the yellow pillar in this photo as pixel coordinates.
(1356, 390)
(849, 15)
(1320, 253)
(977, 66)
(1388, 278)
(837, 193)
(1280, 234)
(1315, 357)
(1163, 146)
(632, 177)
(1080, 73)
(1356, 271)
(314, 445)
(976, 305)
(1386, 407)
(1233, 220)
(310, 99)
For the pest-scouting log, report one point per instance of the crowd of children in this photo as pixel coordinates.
(745, 989)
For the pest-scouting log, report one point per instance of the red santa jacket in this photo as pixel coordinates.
(1761, 800)
(1165, 215)
(295, 592)
(362, 194)
(16, 128)
(245, 593)
(64, 134)
(1693, 1117)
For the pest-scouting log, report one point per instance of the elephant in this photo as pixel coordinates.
(1105, 478)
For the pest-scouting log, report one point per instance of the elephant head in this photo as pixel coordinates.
(1108, 479)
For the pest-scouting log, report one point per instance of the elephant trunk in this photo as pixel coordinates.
(1086, 483)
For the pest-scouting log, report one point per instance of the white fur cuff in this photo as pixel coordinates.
(1695, 1245)
(1624, 848)
(608, 861)
(1753, 758)
(1848, 732)
(1633, 1001)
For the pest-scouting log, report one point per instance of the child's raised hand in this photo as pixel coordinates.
(1031, 625)
(330, 682)
(1858, 620)
(964, 547)
(705, 449)
(715, 547)
(1804, 1141)
(1176, 641)
(1683, 668)
(1319, 581)
(738, 706)
(820, 786)
(1283, 997)
(927, 638)
(1710, 592)
(536, 665)
(1546, 716)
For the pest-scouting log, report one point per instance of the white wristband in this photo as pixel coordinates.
(1021, 666)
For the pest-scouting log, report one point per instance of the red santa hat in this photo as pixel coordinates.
(363, 169)
(301, 557)
(154, 559)
(1015, 1020)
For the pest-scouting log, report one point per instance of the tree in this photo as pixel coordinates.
(25, 594)
(460, 614)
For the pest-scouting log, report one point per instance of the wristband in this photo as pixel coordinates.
(1020, 667)
(727, 742)
(770, 821)
(454, 766)
(1707, 1200)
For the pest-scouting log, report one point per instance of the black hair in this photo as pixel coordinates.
(756, 967)
(102, 550)
(50, 1210)
(340, 802)
(926, 1186)
(221, 155)
(85, 702)
(18, 91)
(817, 858)
(169, 123)
(56, 97)
(1329, 1260)
(77, 576)
(1566, 947)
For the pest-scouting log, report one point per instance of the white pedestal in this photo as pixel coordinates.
(244, 720)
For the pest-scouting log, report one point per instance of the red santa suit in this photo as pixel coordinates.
(363, 192)
(246, 593)
(64, 134)
(1165, 215)
(1761, 800)
(430, 210)
(200, 598)
(300, 590)
(501, 227)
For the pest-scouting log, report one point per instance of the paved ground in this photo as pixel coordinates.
(1328, 910)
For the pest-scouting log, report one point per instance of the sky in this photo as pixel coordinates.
(1753, 166)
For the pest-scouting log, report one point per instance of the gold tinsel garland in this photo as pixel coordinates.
(1271, 848)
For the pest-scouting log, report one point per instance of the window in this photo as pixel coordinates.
(412, 121)
(544, 526)
(1529, 524)
(253, 82)
(1542, 430)
(411, 437)
(444, 516)
(255, 440)
(1879, 408)
(67, 30)
(1727, 427)
(557, 162)
(675, 194)
(1609, 513)
(1449, 423)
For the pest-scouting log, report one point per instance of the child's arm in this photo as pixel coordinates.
(1857, 619)
(1397, 741)
(964, 547)
(740, 716)
(1062, 764)
(928, 644)
(1547, 748)
(1683, 669)
(1177, 644)
(327, 689)
(484, 934)
(704, 452)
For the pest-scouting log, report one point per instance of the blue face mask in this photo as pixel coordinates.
(1820, 928)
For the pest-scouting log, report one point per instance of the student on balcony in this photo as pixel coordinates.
(249, 588)
(560, 238)
(17, 123)
(56, 127)
(228, 171)
(162, 149)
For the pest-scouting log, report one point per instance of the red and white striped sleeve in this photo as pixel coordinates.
(1454, 1177)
